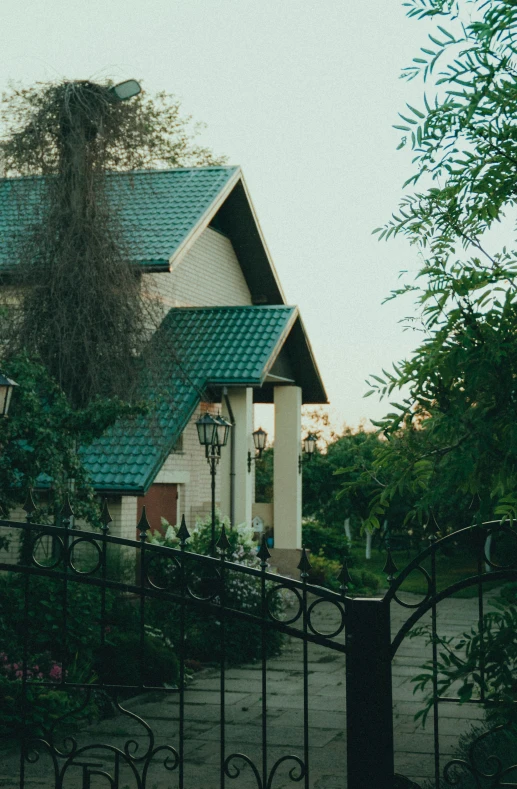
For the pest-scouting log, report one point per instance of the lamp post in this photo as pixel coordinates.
(213, 432)
(6, 390)
(259, 442)
(309, 447)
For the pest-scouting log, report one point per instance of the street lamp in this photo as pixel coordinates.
(213, 432)
(309, 446)
(259, 442)
(6, 390)
(126, 90)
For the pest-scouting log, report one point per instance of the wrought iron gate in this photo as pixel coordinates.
(61, 757)
(71, 560)
(483, 769)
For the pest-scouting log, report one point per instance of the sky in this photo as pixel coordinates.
(302, 94)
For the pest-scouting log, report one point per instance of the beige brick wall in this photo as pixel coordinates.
(190, 470)
(209, 275)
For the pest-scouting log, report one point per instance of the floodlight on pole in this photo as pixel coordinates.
(126, 90)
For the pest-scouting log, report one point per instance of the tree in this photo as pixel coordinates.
(39, 442)
(81, 306)
(73, 335)
(455, 434)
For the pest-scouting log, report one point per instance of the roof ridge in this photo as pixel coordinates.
(143, 171)
(237, 307)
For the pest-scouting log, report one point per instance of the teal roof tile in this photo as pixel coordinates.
(215, 346)
(157, 208)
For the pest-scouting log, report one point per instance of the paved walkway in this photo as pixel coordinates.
(414, 746)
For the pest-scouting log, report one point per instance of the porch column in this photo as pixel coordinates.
(287, 480)
(241, 401)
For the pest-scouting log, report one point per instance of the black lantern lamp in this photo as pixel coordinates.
(221, 432)
(206, 430)
(309, 444)
(213, 432)
(259, 442)
(6, 390)
(309, 447)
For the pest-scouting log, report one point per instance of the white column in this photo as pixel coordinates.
(287, 488)
(241, 401)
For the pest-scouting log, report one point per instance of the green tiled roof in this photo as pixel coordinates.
(214, 346)
(157, 208)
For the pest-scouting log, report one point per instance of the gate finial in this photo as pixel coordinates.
(263, 552)
(183, 532)
(29, 507)
(106, 518)
(344, 577)
(143, 525)
(223, 542)
(304, 565)
(390, 568)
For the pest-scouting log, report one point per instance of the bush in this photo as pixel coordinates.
(325, 572)
(118, 662)
(481, 749)
(79, 648)
(329, 540)
(242, 593)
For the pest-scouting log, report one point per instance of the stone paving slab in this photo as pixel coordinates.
(243, 717)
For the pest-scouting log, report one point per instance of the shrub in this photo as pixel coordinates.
(479, 751)
(329, 540)
(242, 593)
(325, 572)
(118, 662)
(79, 648)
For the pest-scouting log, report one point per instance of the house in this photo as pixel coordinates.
(227, 340)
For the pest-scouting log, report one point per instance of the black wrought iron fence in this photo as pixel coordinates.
(65, 656)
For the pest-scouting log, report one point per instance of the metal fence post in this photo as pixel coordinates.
(369, 695)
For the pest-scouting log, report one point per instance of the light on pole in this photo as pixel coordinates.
(259, 442)
(213, 432)
(6, 390)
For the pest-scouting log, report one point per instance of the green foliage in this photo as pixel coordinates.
(453, 437)
(324, 572)
(328, 540)
(264, 476)
(492, 644)
(242, 593)
(142, 133)
(80, 304)
(39, 440)
(118, 663)
(50, 648)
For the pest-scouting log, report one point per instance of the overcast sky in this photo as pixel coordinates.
(302, 94)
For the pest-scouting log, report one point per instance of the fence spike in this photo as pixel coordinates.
(263, 552)
(223, 542)
(143, 525)
(344, 576)
(106, 518)
(304, 564)
(183, 532)
(29, 506)
(390, 568)
(66, 510)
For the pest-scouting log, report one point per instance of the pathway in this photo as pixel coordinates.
(285, 719)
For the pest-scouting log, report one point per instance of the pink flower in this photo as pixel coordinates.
(18, 674)
(56, 672)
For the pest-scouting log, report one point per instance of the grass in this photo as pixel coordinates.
(460, 564)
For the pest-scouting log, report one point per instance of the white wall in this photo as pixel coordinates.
(208, 275)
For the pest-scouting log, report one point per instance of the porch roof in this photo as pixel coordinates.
(199, 350)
